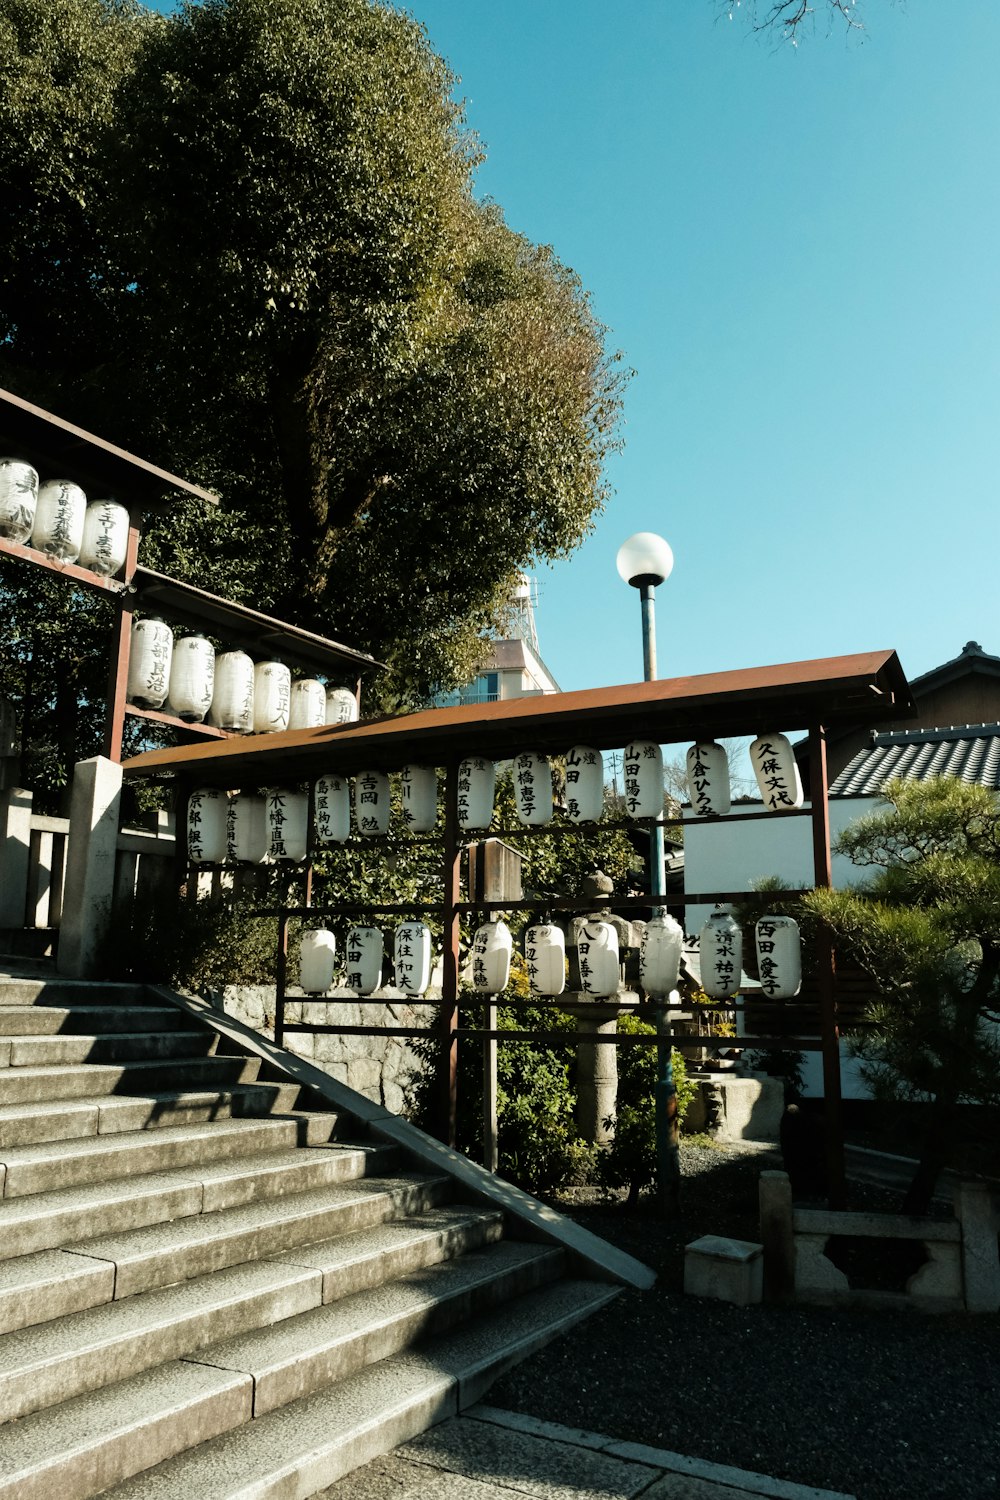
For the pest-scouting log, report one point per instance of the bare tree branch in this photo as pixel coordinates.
(786, 18)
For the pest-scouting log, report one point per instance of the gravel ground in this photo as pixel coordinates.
(883, 1405)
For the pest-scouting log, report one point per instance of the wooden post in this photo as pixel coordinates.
(281, 969)
(826, 975)
(182, 882)
(491, 1144)
(450, 932)
(114, 726)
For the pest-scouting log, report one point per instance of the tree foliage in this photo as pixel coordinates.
(243, 241)
(926, 927)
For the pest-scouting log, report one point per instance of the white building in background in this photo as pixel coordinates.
(512, 668)
(733, 857)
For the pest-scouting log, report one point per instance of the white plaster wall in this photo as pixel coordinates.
(733, 857)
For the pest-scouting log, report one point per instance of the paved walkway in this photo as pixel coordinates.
(487, 1454)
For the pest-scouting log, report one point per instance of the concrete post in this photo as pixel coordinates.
(980, 1262)
(90, 865)
(777, 1235)
(15, 852)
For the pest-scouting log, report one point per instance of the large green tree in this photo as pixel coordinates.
(926, 927)
(244, 241)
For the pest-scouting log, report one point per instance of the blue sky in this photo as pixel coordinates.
(796, 250)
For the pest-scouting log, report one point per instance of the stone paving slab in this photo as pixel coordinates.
(488, 1454)
(463, 1458)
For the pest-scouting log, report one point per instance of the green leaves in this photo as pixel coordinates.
(926, 927)
(243, 241)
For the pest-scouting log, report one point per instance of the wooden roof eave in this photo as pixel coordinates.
(259, 634)
(859, 689)
(60, 450)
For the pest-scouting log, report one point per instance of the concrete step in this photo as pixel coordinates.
(211, 1319)
(53, 1283)
(50, 1284)
(81, 1080)
(370, 1257)
(171, 1249)
(72, 992)
(74, 1451)
(301, 1448)
(113, 1047)
(53, 1020)
(301, 1355)
(53, 1362)
(45, 1221)
(65, 1119)
(125, 1434)
(62, 1164)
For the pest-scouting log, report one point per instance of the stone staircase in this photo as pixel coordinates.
(215, 1283)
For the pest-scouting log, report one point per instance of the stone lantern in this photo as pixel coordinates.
(592, 934)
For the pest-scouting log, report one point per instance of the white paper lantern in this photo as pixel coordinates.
(418, 793)
(247, 839)
(532, 789)
(584, 784)
(206, 826)
(598, 957)
(105, 537)
(341, 706)
(317, 952)
(779, 957)
(371, 803)
(363, 956)
(232, 698)
(545, 958)
(660, 950)
(151, 651)
(18, 498)
(59, 517)
(272, 691)
(307, 709)
(777, 773)
(708, 779)
(413, 955)
(332, 810)
(492, 949)
(288, 825)
(721, 945)
(476, 789)
(642, 771)
(192, 678)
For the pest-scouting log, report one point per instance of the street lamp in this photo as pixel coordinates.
(645, 561)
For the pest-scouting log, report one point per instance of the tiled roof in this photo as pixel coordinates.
(970, 752)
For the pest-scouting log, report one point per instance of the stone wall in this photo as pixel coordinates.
(378, 1067)
(960, 1268)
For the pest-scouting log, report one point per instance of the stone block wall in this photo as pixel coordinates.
(378, 1067)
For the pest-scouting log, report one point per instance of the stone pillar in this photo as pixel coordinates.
(90, 865)
(596, 1080)
(980, 1263)
(15, 851)
(777, 1235)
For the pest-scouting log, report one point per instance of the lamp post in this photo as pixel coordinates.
(644, 562)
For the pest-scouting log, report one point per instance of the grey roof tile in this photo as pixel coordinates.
(970, 752)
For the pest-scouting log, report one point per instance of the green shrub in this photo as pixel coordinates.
(200, 945)
(630, 1161)
(540, 1148)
